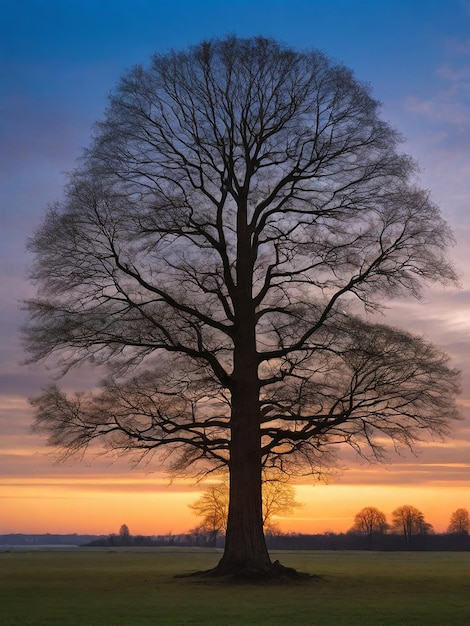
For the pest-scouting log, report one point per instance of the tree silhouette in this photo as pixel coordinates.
(124, 535)
(409, 521)
(212, 506)
(241, 208)
(278, 499)
(459, 522)
(369, 522)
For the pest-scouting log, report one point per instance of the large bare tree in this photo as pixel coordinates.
(241, 210)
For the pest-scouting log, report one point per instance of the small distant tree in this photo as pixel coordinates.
(278, 499)
(409, 521)
(369, 522)
(212, 507)
(124, 535)
(459, 522)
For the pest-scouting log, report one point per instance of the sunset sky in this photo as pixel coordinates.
(59, 60)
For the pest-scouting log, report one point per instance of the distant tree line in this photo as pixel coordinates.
(124, 539)
(300, 541)
(407, 522)
(370, 530)
(386, 542)
(408, 530)
(408, 527)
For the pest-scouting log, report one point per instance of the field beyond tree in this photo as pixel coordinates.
(122, 587)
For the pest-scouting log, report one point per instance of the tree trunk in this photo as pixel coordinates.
(245, 544)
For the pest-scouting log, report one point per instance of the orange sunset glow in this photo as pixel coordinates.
(96, 496)
(98, 506)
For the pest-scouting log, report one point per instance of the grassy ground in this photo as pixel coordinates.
(127, 588)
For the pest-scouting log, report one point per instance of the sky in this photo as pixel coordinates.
(59, 60)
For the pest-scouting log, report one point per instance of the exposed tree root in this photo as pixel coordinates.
(277, 573)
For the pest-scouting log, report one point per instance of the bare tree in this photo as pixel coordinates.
(278, 499)
(369, 522)
(409, 521)
(459, 522)
(213, 505)
(241, 208)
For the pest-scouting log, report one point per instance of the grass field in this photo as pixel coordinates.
(130, 587)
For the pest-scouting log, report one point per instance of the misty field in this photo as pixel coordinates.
(119, 587)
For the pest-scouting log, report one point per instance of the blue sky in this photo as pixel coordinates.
(59, 59)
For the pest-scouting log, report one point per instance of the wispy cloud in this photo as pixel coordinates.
(114, 484)
(441, 109)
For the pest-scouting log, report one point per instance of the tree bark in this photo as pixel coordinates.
(245, 544)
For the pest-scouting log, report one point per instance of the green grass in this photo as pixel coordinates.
(131, 587)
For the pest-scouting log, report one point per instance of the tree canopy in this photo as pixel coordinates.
(459, 522)
(369, 521)
(241, 211)
(410, 521)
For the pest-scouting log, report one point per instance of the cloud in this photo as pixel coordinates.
(458, 76)
(437, 122)
(431, 463)
(441, 109)
(417, 475)
(79, 483)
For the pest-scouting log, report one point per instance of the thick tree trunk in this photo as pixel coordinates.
(245, 545)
